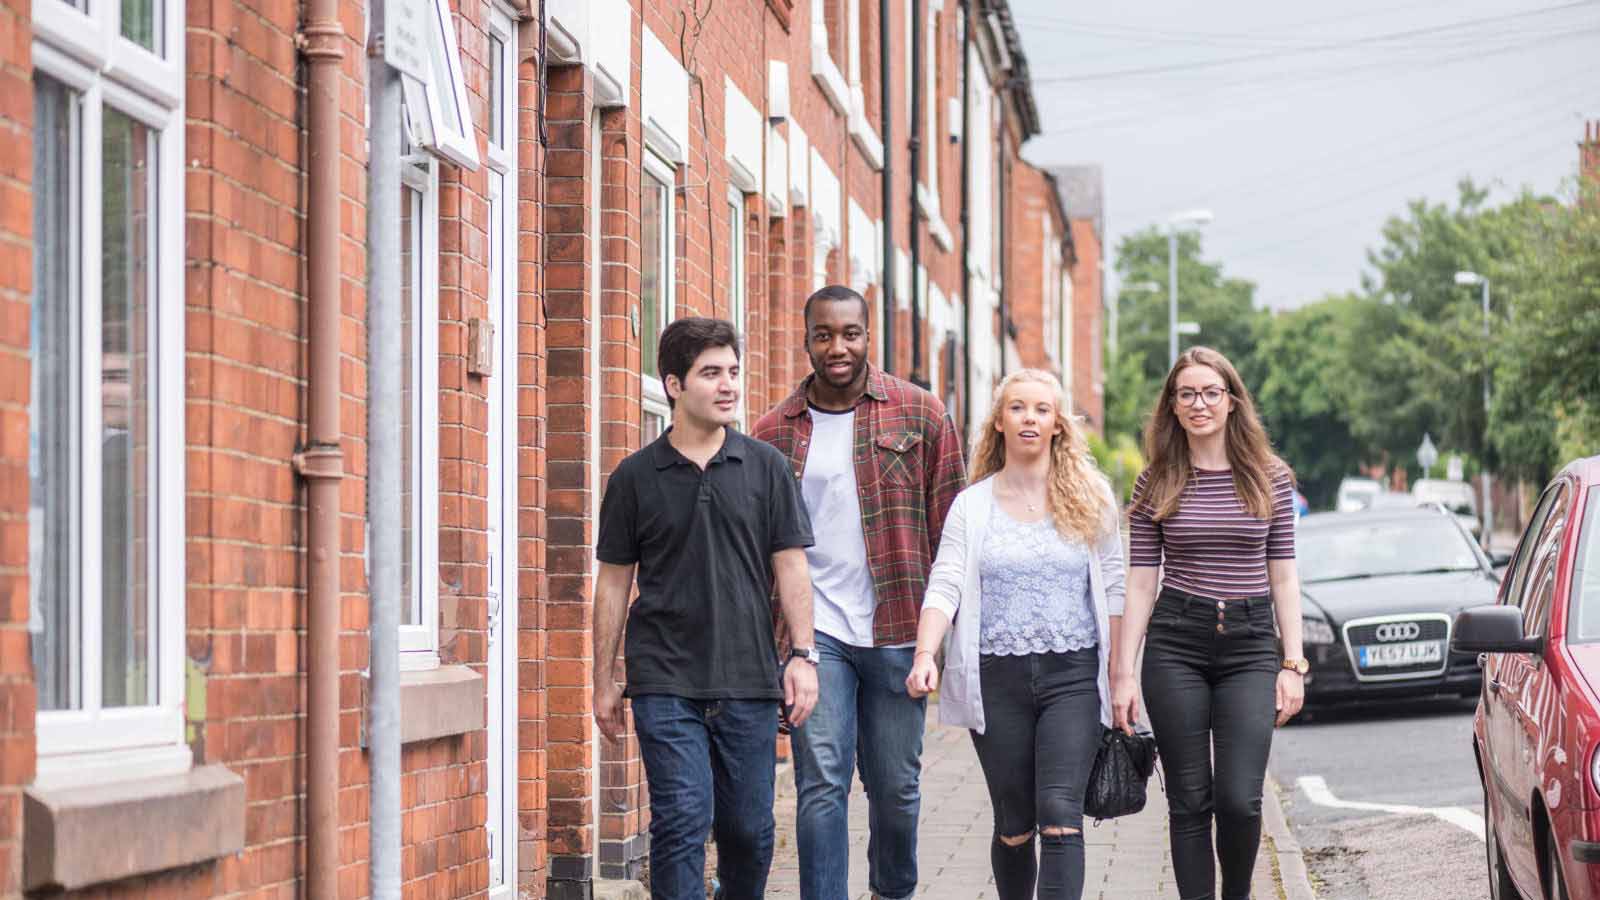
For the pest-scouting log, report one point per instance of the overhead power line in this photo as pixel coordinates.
(1325, 47)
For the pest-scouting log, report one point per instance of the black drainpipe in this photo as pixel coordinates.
(1005, 255)
(887, 118)
(915, 145)
(966, 217)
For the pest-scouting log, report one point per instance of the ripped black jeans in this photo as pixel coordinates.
(1041, 732)
(1210, 684)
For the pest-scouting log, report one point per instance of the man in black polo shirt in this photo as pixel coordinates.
(710, 518)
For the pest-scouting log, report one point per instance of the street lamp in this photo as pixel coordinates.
(1192, 217)
(1467, 279)
(1116, 305)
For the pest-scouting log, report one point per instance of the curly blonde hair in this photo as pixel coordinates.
(1077, 495)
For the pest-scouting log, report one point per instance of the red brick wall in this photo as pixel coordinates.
(1088, 310)
(1027, 245)
(17, 696)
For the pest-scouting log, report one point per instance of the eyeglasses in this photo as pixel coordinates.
(1210, 396)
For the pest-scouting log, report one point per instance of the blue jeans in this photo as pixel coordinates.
(708, 761)
(863, 713)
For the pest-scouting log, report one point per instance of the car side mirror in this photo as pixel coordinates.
(1493, 629)
(1499, 559)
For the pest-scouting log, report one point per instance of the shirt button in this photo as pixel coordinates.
(802, 442)
(1221, 605)
(1219, 628)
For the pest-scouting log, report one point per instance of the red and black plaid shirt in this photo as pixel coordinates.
(909, 468)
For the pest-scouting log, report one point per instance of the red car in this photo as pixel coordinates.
(1537, 730)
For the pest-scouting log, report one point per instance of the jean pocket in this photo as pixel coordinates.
(1262, 621)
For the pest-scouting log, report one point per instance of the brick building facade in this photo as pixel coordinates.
(183, 324)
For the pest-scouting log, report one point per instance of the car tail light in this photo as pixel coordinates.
(1594, 769)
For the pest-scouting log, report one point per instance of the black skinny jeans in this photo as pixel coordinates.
(1210, 683)
(1041, 731)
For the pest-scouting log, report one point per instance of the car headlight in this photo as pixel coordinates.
(1316, 631)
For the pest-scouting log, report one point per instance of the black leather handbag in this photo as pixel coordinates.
(1119, 780)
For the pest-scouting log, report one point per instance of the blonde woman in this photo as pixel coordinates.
(1029, 572)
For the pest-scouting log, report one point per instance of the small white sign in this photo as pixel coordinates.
(405, 25)
(1454, 469)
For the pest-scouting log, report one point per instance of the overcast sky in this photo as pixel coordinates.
(1303, 126)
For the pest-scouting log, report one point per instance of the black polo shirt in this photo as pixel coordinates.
(703, 540)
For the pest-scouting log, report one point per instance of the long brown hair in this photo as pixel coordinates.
(1166, 444)
(1075, 493)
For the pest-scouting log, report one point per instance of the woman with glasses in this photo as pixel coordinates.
(1213, 516)
(1030, 572)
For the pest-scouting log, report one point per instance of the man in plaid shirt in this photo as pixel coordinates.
(879, 462)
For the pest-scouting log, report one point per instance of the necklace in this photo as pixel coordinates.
(1021, 497)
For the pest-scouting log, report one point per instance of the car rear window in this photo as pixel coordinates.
(1586, 576)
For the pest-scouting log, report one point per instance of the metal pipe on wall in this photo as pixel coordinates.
(966, 217)
(321, 461)
(1005, 248)
(887, 120)
(385, 472)
(915, 162)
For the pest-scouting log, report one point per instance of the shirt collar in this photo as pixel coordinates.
(877, 389)
(665, 456)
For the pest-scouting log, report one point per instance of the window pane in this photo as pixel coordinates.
(141, 23)
(410, 260)
(127, 281)
(654, 424)
(443, 81)
(652, 268)
(496, 75)
(54, 604)
(1586, 576)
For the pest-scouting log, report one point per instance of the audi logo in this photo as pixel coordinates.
(1398, 631)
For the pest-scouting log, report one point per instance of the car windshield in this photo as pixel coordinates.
(1586, 577)
(1358, 549)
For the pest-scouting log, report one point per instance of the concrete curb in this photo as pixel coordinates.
(1290, 862)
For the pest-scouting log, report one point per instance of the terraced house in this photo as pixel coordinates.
(186, 622)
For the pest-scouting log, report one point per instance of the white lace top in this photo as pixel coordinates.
(1035, 586)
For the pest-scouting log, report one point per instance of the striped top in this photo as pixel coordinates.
(1212, 547)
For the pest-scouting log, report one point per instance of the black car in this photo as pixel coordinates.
(1380, 590)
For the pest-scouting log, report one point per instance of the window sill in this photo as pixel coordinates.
(79, 836)
(436, 703)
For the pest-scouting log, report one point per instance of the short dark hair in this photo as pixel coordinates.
(684, 340)
(837, 292)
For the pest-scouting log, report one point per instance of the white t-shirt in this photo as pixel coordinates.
(841, 583)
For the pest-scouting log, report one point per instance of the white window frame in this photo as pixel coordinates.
(86, 52)
(451, 140)
(739, 292)
(653, 395)
(419, 641)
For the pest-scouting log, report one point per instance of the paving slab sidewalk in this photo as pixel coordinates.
(1127, 858)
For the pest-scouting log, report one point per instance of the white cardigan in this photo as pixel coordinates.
(953, 589)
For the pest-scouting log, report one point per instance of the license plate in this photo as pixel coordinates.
(1407, 653)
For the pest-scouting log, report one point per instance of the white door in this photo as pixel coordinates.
(501, 824)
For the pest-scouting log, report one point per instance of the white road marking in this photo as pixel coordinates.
(1316, 789)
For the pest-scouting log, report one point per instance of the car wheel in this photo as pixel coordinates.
(1555, 881)
(1500, 886)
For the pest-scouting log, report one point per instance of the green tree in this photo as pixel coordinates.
(1224, 307)
(1303, 371)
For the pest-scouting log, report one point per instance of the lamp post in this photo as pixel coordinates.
(1467, 279)
(1116, 305)
(1194, 217)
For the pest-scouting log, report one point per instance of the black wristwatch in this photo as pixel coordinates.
(809, 654)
